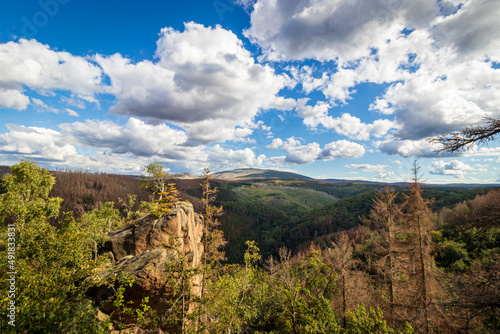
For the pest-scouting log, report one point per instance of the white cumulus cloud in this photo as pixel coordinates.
(37, 143)
(379, 169)
(34, 65)
(298, 153)
(438, 59)
(454, 167)
(119, 148)
(330, 29)
(204, 81)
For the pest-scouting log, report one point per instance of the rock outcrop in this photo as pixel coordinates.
(181, 228)
(140, 250)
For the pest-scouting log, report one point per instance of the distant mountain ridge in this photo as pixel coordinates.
(262, 174)
(248, 173)
(255, 173)
(186, 176)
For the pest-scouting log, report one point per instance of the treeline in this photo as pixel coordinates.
(339, 189)
(85, 191)
(348, 213)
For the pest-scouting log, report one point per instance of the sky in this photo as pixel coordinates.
(326, 88)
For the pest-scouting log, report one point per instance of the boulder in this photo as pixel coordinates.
(181, 228)
(141, 250)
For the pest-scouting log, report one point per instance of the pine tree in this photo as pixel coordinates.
(213, 238)
(343, 262)
(384, 216)
(167, 199)
(400, 252)
(417, 214)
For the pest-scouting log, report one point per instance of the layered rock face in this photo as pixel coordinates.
(181, 225)
(141, 249)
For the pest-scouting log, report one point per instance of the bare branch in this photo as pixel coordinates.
(468, 137)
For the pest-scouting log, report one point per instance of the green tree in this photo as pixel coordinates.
(453, 255)
(180, 278)
(234, 298)
(155, 178)
(165, 193)
(127, 206)
(52, 264)
(360, 321)
(300, 296)
(98, 222)
(26, 199)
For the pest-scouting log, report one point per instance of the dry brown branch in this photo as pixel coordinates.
(469, 137)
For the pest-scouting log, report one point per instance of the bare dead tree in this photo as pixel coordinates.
(469, 136)
(343, 262)
(383, 216)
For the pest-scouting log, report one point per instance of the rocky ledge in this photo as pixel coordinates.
(141, 249)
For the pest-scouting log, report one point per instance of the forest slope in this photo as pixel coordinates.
(273, 212)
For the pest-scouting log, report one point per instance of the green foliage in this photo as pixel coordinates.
(453, 255)
(360, 321)
(450, 196)
(234, 301)
(285, 197)
(252, 255)
(146, 207)
(52, 263)
(180, 278)
(154, 178)
(300, 298)
(127, 206)
(166, 199)
(290, 297)
(99, 221)
(254, 221)
(27, 195)
(462, 241)
(128, 315)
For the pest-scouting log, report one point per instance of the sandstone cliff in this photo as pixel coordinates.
(141, 250)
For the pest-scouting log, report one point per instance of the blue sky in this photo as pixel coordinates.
(326, 88)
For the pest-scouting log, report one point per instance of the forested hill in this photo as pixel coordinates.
(255, 173)
(320, 224)
(273, 212)
(291, 213)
